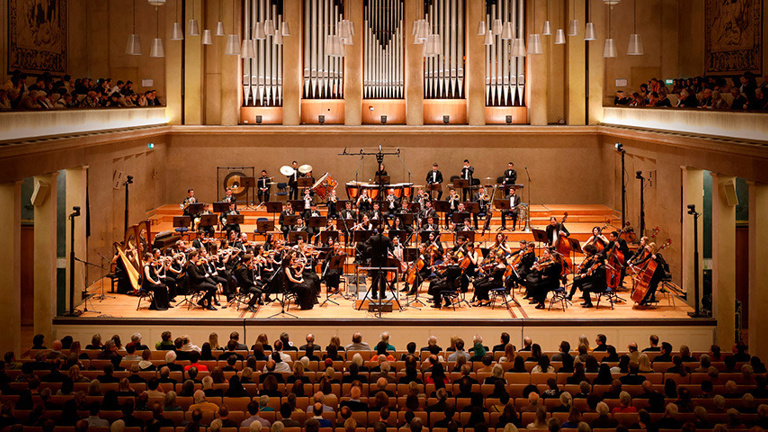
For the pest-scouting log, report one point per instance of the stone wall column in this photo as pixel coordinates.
(76, 183)
(10, 267)
(723, 261)
(693, 188)
(538, 66)
(414, 66)
(231, 76)
(45, 258)
(575, 108)
(353, 67)
(475, 64)
(758, 270)
(292, 76)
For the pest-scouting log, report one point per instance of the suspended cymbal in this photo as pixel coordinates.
(306, 168)
(287, 171)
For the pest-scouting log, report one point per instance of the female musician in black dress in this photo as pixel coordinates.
(331, 271)
(293, 267)
(493, 277)
(151, 282)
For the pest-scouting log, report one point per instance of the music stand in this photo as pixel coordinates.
(458, 217)
(361, 236)
(220, 206)
(414, 207)
(274, 207)
(293, 236)
(410, 255)
(317, 221)
(235, 219)
(539, 236)
(289, 221)
(263, 227)
(336, 262)
(424, 236)
(182, 222)
(325, 235)
(401, 234)
(434, 187)
(298, 205)
(208, 220)
(469, 235)
(249, 183)
(346, 226)
(304, 182)
(195, 208)
(406, 218)
(472, 207)
(461, 184)
(442, 207)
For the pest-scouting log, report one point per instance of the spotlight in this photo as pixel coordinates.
(76, 211)
(129, 180)
(258, 119)
(321, 119)
(619, 147)
(691, 209)
(370, 107)
(151, 146)
(384, 119)
(509, 119)
(639, 175)
(446, 119)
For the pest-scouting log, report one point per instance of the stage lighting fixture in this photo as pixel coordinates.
(321, 119)
(619, 147)
(691, 209)
(384, 119)
(446, 119)
(509, 119)
(151, 146)
(639, 175)
(129, 179)
(258, 119)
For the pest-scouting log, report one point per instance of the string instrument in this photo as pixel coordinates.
(465, 262)
(543, 264)
(594, 241)
(564, 248)
(615, 263)
(415, 268)
(645, 276)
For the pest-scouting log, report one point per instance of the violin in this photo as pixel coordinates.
(543, 264)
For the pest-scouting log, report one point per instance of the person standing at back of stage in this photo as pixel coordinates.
(263, 186)
(467, 172)
(434, 176)
(293, 182)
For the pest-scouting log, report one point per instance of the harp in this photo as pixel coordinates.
(135, 243)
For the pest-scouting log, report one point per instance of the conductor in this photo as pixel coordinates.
(378, 247)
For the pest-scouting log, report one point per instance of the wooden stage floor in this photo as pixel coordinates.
(669, 307)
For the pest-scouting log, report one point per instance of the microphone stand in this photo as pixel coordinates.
(528, 213)
(103, 296)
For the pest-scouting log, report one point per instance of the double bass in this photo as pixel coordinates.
(645, 276)
(614, 263)
(564, 248)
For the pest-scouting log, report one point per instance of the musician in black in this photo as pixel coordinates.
(151, 282)
(293, 182)
(226, 219)
(590, 277)
(483, 202)
(514, 201)
(311, 212)
(199, 241)
(467, 172)
(378, 247)
(190, 199)
(521, 266)
(199, 281)
(332, 266)
(544, 277)
(375, 214)
(554, 230)
(392, 204)
(287, 211)
(263, 186)
(381, 172)
(435, 177)
(510, 175)
(453, 205)
(492, 277)
(196, 221)
(426, 212)
(333, 200)
(430, 226)
(229, 197)
(445, 281)
(244, 273)
(658, 274)
(348, 213)
(617, 244)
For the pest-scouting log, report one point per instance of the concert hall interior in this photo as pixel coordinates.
(636, 132)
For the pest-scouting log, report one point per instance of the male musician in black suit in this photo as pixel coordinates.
(453, 204)
(435, 177)
(190, 199)
(199, 282)
(378, 247)
(208, 229)
(391, 204)
(263, 187)
(287, 211)
(514, 201)
(293, 182)
(482, 200)
(467, 173)
(554, 230)
(311, 212)
(348, 213)
(226, 220)
(198, 243)
(445, 281)
(228, 197)
(244, 276)
(510, 175)
(617, 243)
(426, 212)
(430, 226)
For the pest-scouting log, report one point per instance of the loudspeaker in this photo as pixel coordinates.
(40, 193)
(729, 190)
(374, 306)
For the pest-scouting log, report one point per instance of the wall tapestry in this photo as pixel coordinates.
(37, 36)
(733, 36)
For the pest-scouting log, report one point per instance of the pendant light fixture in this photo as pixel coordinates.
(133, 47)
(156, 3)
(560, 33)
(177, 32)
(589, 29)
(481, 28)
(233, 42)
(193, 28)
(573, 24)
(546, 30)
(207, 39)
(534, 39)
(285, 29)
(219, 24)
(506, 33)
(609, 49)
(635, 40)
(498, 27)
(488, 40)
(157, 50)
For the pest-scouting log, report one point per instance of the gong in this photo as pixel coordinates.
(234, 181)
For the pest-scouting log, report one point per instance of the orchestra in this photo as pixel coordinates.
(309, 255)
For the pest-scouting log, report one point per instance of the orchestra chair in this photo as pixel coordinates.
(500, 293)
(608, 295)
(195, 297)
(282, 189)
(144, 294)
(559, 295)
(452, 294)
(183, 231)
(240, 298)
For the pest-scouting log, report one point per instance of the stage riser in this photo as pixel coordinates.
(698, 338)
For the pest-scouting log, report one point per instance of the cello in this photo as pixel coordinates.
(645, 276)
(564, 248)
(614, 263)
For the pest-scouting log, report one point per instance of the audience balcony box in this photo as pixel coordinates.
(17, 125)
